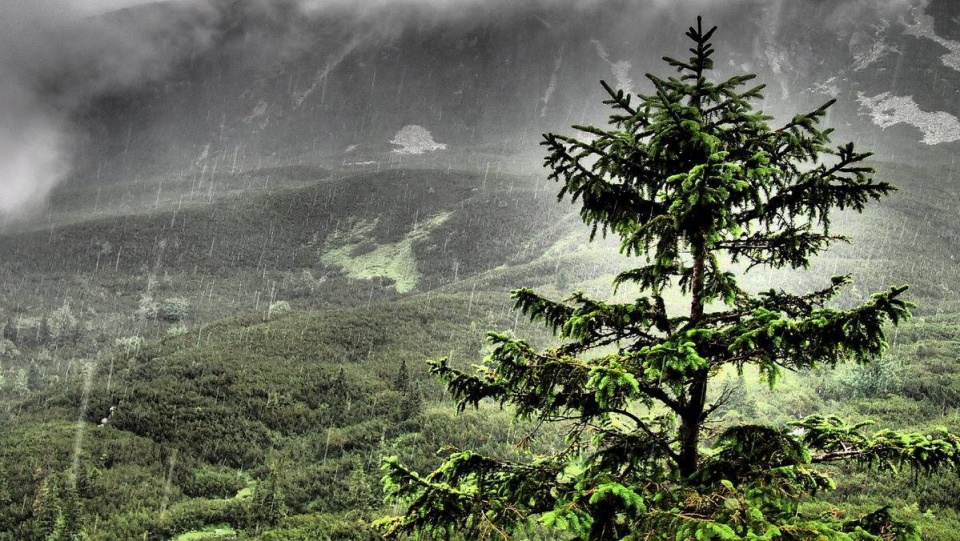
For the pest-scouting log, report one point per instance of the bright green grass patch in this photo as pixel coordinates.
(247, 491)
(395, 261)
(220, 531)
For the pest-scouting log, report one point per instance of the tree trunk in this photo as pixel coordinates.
(692, 416)
(690, 422)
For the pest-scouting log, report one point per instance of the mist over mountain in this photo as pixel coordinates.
(180, 87)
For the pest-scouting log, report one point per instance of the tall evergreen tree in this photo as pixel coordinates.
(268, 506)
(57, 511)
(694, 182)
(410, 400)
(401, 382)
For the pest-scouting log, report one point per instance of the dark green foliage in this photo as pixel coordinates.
(346, 527)
(269, 502)
(285, 229)
(211, 482)
(49, 495)
(401, 383)
(410, 398)
(700, 189)
(315, 391)
(57, 515)
(225, 394)
(195, 514)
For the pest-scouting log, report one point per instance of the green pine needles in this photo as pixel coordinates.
(692, 180)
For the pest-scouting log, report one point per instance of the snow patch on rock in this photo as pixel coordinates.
(922, 27)
(867, 57)
(887, 110)
(868, 50)
(830, 87)
(414, 139)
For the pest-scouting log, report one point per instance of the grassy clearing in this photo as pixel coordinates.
(212, 532)
(363, 260)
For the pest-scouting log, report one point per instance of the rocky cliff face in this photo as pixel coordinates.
(293, 85)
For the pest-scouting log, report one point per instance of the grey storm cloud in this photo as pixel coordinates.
(53, 58)
(57, 55)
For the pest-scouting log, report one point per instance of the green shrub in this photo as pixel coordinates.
(178, 329)
(173, 309)
(278, 308)
(8, 350)
(128, 346)
(213, 482)
(63, 326)
(299, 284)
(321, 527)
(196, 514)
(147, 310)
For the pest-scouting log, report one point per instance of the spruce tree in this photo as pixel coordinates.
(410, 400)
(401, 382)
(268, 506)
(696, 184)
